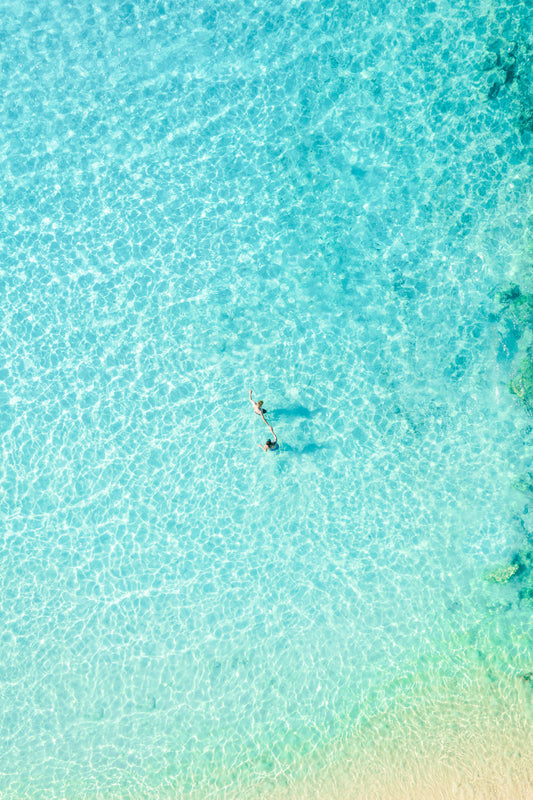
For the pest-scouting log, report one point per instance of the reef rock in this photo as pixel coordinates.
(501, 574)
(522, 383)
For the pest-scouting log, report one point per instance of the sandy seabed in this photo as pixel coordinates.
(478, 745)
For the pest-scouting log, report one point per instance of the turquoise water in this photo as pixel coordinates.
(315, 201)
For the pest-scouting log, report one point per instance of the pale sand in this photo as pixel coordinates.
(475, 744)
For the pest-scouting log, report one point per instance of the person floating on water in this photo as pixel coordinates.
(258, 408)
(270, 444)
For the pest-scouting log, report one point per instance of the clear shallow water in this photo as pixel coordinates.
(313, 202)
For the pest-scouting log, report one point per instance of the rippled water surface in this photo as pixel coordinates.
(313, 200)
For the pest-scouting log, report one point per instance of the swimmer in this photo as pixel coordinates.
(271, 444)
(258, 407)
